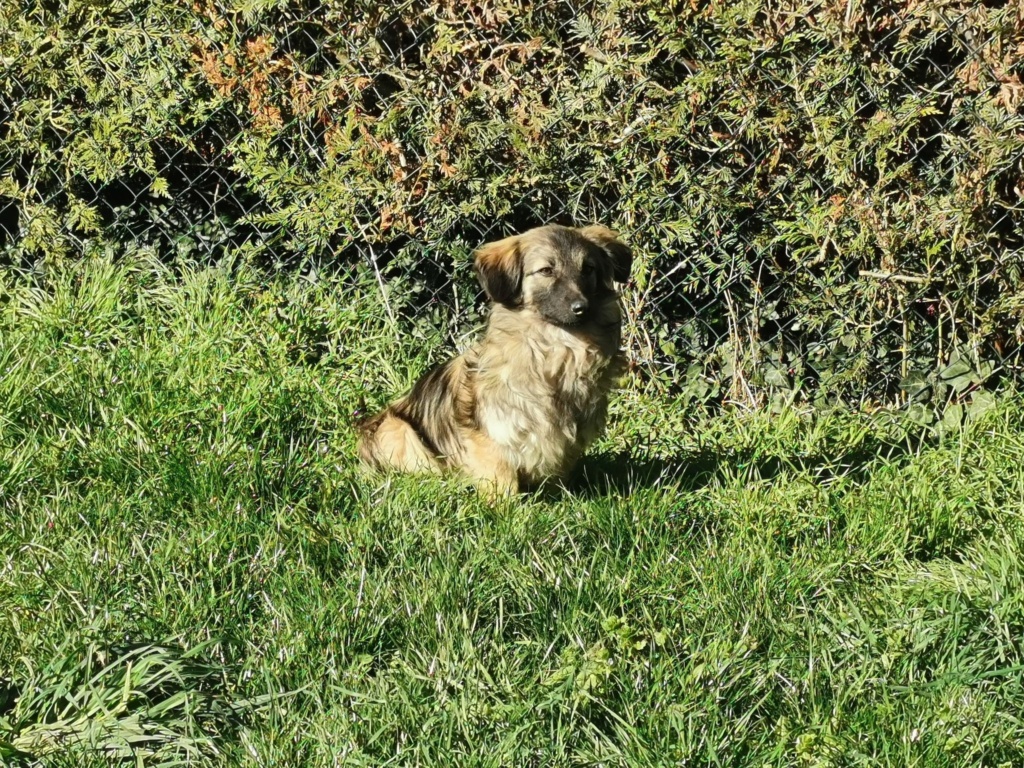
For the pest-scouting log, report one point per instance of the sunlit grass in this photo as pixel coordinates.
(192, 569)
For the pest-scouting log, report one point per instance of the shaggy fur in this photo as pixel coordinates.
(522, 404)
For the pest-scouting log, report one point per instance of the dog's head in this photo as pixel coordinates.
(561, 273)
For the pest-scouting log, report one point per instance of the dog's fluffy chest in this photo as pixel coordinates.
(542, 397)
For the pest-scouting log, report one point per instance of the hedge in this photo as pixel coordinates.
(825, 198)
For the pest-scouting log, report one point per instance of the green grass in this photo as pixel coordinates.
(193, 571)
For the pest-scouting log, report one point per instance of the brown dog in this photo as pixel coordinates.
(523, 403)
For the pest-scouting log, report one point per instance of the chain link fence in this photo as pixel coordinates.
(825, 199)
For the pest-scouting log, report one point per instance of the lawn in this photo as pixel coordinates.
(193, 571)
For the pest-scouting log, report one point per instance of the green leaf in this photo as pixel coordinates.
(956, 370)
(982, 403)
(953, 416)
(914, 384)
(774, 377)
(159, 187)
(919, 413)
(962, 383)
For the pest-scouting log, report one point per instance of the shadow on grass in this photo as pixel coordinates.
(622, 473)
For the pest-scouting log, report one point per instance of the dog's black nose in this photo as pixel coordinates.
(579, 307)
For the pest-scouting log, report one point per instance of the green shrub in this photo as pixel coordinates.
(819, 194)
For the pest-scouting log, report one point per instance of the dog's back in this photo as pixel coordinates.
(420, 431)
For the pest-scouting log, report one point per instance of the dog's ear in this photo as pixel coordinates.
(619, 253)
(499, 268)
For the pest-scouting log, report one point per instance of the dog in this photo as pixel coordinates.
(520, 406)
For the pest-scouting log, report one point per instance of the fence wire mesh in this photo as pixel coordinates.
(824, 199)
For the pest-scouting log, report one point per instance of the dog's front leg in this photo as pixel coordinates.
(485, 464)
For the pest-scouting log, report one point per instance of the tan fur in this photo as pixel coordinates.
(522, 404)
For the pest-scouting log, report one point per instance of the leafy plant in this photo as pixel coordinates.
(823, 200)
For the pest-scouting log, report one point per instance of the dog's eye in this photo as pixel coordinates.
(546, 271)
(587, 269)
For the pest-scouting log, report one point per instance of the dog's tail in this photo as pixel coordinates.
(366, 432)
(365, 426)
